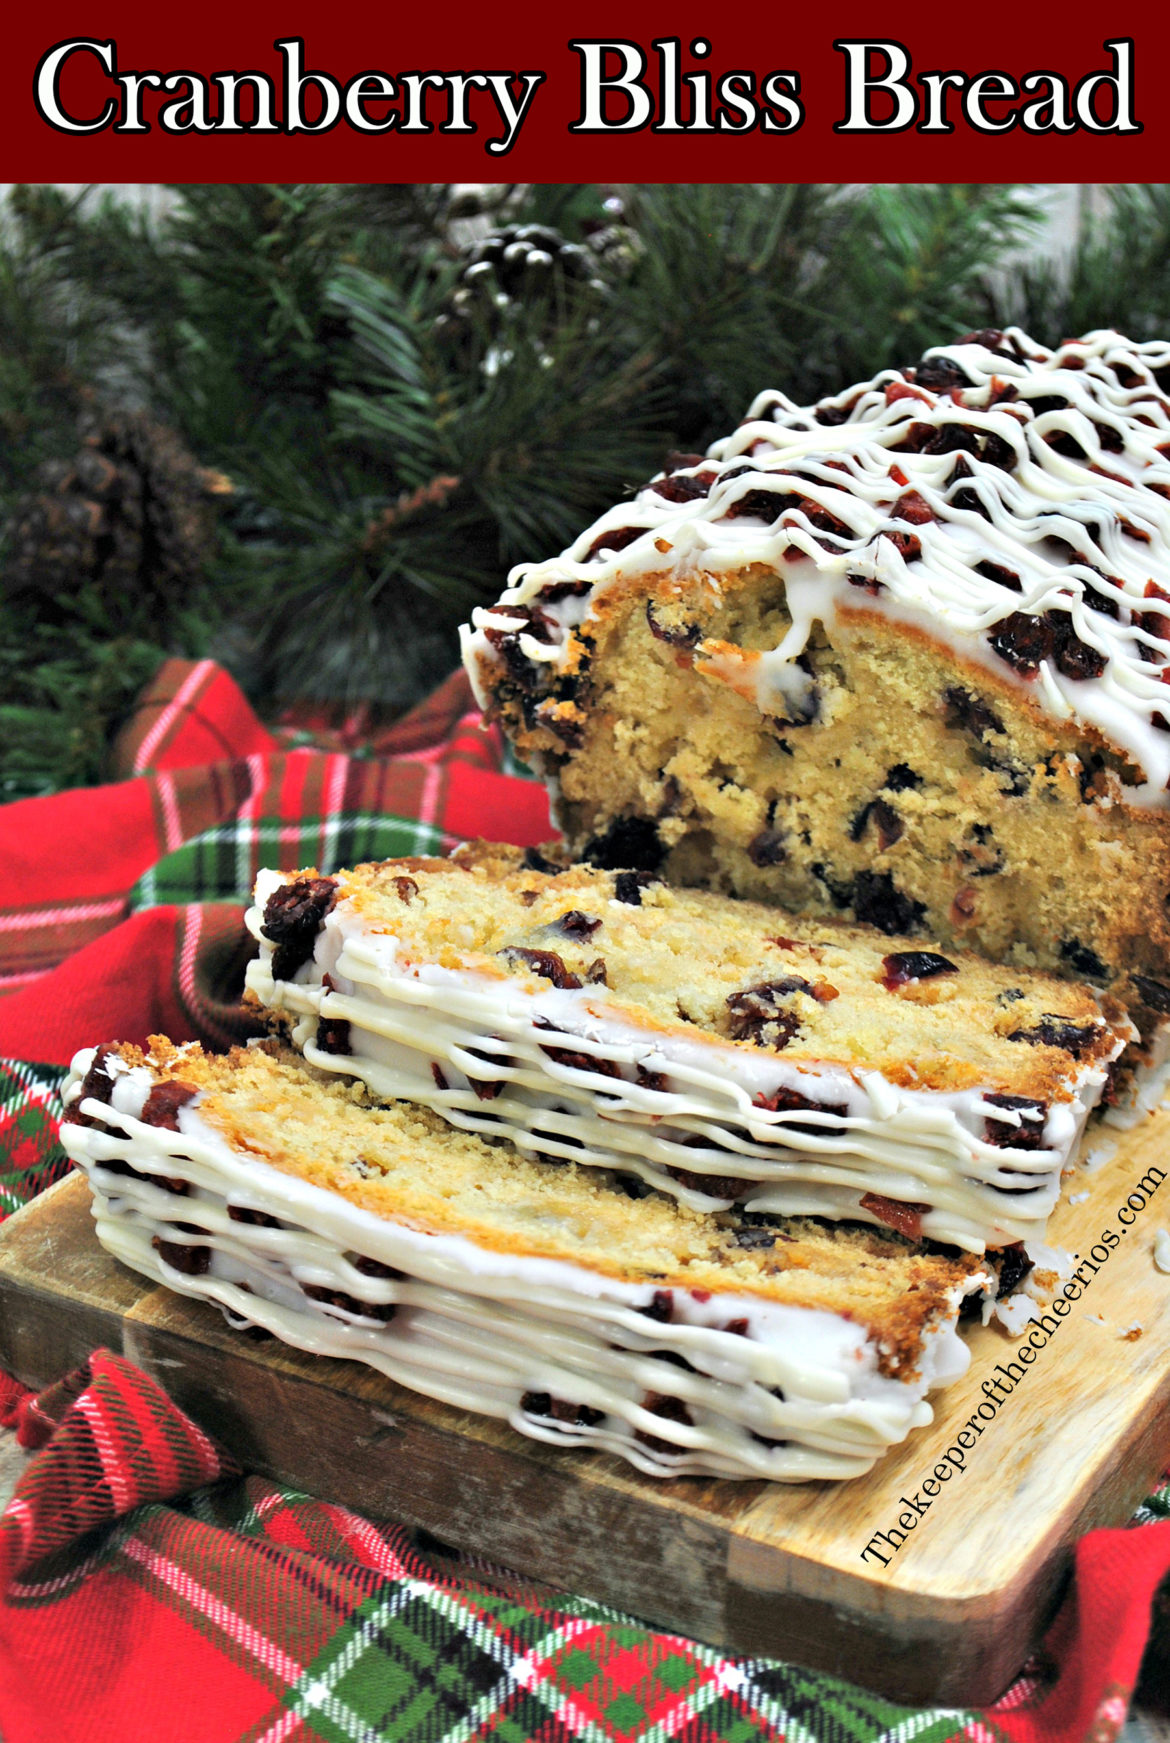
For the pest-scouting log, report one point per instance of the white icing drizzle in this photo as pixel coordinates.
(482, 1329)
(1019, 495)
(914, 1146)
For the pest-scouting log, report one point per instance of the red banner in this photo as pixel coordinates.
(292, 93)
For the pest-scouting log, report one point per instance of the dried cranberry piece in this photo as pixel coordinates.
(96, 1085)
(994, 340)
(1002, 576)
(1055, 1031)
(1074, 657)
(769, 847)
(629, 844)
(660, 1307)
(754, 1239)
(191, 1261)
(260, 1219)
(172, 1183)
(970, 713)
(537, 624)
(595, 974)
(982, 859)
(908, 545)
(1023, 640)
(905, 966)
(535, 861)
(407, 889)
(939, 373)
(1063, 442)
(583, 1061)
(1153, 992)
(486, 1089)
(784, 1100)
(162, 1105)
(832, 415)
(375, 1267)
(1102, 601)
(628, 887)
(766, 505)
(1111, 440)
(971, 502)
(1082, 960)
(757, 1015)
(905, 1217)
(915, 439)
(656, 1080)
(1155, 623)
(437, 1074)
(877, 901)
(577, 1415)
(559, 590)
(866, 583)
(1028, 1135)
(545, 963)
(333, 1035)
(890, 826)
(912, 506)
(293, 916)
(684, 487)
(901, 778)
(678, 636)
(1014, 1265)
(575, 924)
(714, 1185)
(382, 1310)
(952, 438)
(671, 1410)
(614, 541)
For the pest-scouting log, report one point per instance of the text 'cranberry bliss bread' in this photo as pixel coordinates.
(714, 1049)
(899, 655)
(535, 1294)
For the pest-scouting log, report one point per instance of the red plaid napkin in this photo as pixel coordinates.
(148, 1591)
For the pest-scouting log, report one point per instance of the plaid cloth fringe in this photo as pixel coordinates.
(148, 1589)
(151, 1592)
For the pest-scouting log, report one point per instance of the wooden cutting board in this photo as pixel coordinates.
(754, 1567)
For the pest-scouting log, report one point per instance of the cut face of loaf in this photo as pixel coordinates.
(710, 1048)
(899, 656)
(542, 1296)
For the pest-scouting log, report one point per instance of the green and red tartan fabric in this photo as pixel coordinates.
(148, 1590)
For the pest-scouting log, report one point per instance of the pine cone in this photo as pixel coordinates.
(516, 265)
(131, 513)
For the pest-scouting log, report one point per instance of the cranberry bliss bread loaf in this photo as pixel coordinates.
(900, 656)
(717, 1050)
(535, 1294)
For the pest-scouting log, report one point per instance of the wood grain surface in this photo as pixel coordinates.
(754, 1567)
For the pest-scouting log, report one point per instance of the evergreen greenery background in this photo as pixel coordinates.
(385, 432)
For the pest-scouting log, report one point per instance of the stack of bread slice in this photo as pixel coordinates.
(690, 1141)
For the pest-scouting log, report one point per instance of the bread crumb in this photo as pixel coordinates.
(1162, 1250)
(1098, 1156)
(1131, 1333)
(1077, 1197)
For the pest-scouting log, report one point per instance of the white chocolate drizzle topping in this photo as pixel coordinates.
(493, 1056)
(1012, 502)
(755, 1387)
